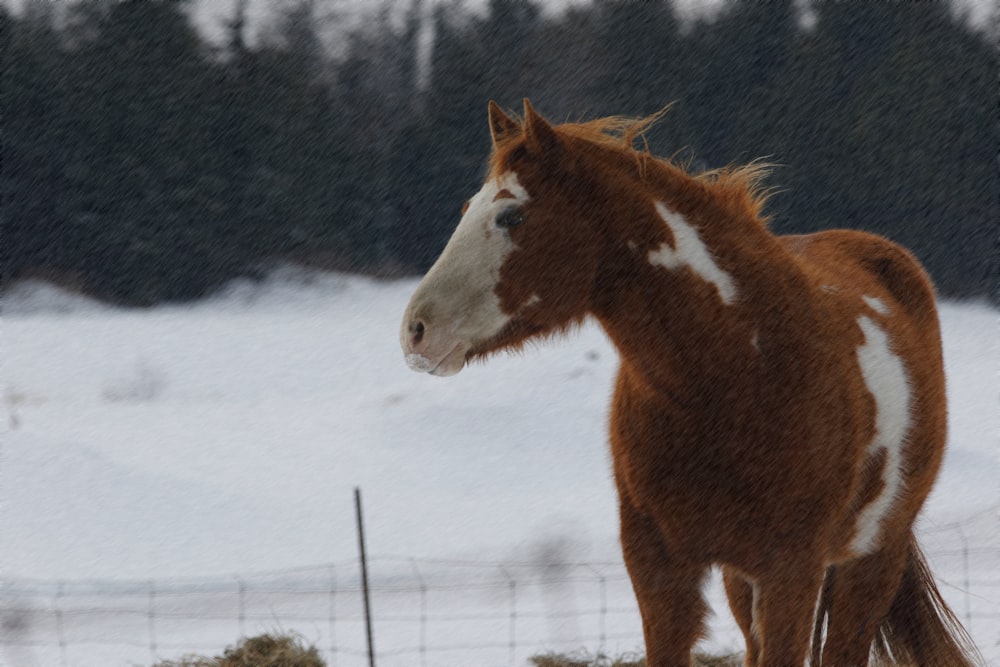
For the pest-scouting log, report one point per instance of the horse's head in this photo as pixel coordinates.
(521, 262)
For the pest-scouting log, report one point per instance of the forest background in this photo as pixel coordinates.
(144, 163)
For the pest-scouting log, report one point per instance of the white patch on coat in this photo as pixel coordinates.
(508, 181)
(533, 300)
(691, 252)
(885, 376)
(456, 300)
(876, 304)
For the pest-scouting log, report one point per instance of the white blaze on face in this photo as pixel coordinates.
(885, 376)
(689, 250)
(456, 300)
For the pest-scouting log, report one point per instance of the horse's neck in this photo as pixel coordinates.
(683, 315)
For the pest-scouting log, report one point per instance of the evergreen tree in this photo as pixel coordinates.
(142, 165)
(925, 105)
(441, 158)
(564, 60)
(31, 181)
(640, 49)
(379, 85)
(737, 68)
(881, 97)
(140, 198)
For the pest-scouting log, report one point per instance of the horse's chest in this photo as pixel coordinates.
(664, 460)
(662, 473)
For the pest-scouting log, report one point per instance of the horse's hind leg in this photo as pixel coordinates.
(740, 594)
(859, 599)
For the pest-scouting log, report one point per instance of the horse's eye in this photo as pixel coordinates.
(510, 217)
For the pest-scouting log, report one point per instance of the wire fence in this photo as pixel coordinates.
(498, 612)
(426, 611)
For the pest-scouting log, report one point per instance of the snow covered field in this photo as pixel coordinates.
(192, 444)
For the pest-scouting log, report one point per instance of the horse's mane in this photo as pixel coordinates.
(739, 187)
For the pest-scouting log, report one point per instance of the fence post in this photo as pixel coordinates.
(152, 620)
(60, 633)
(364, 577)
(603, 618)
(333, 615)
(512, 587)
(241, 617)
(423, 612)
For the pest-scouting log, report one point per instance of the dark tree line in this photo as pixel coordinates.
(142, 163)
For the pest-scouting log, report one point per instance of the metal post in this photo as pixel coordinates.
(604, 606)
(423, 612)
(152, 620)
(512, 587)
(241, 597)
(59, 625)
(333, 615)
(364, 577)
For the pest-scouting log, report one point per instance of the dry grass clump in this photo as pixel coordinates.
(705, 660)
(584, 659)
(260, 651)
(290, 651)
(601, 660)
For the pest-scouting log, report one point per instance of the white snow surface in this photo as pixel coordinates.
(227, 436)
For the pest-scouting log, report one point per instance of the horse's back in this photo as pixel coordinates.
(854, 261)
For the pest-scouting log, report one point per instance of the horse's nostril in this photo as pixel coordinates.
(417, 330)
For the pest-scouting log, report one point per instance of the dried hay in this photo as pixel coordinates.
(259, 651)
(601, 660)
(290, 651)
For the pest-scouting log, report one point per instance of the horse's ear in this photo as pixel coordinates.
(541, 136)
(501, 125)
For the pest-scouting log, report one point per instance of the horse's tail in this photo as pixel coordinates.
(920, 629)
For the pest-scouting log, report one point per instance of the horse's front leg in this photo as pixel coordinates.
(784, 607)
(668, 590)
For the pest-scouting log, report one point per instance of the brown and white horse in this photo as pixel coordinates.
(780, 406)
